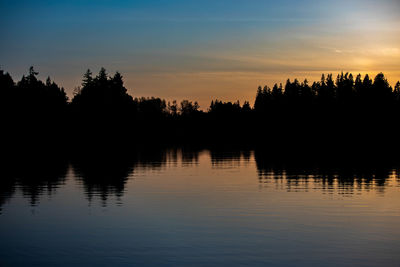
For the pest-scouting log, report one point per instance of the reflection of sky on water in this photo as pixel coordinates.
(179, 207)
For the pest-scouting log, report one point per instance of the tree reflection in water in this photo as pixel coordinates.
(342, 174)
(33, 176)
(105, 174)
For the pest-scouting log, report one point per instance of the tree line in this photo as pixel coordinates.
(329, 109)
(345, 90)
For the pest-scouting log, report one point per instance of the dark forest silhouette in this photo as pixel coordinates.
(342, 111)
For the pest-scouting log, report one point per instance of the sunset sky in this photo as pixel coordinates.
(200, 50)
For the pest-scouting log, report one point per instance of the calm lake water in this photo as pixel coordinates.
(209, 208)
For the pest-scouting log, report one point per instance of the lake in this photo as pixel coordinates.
(202, 207)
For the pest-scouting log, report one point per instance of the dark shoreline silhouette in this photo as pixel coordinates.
(355, 114)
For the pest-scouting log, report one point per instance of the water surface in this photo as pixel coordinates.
(180, 207)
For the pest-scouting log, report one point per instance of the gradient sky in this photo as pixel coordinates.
(200, 50)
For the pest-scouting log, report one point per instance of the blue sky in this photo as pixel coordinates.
(200, 49)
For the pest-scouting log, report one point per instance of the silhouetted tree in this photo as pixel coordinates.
(367, 89)
(103, 96)
(32, 108)
(173, 108)
(151, 107)
(246, 108)
(397, 91)
(188, 108)
(7, 92)
(6, 82)
(381, 89)
(344, 90)
(87, 78)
